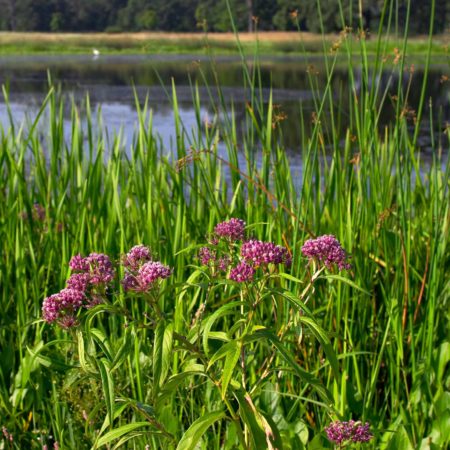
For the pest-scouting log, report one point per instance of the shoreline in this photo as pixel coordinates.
(159, 43)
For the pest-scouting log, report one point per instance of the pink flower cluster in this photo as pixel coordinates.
(327, 250)
(92, 275)
(340, 432)
(137, 256)
(261, 253)
(63, 307)
(141, 272)
(97, 267)
(253, 254)
(233, 230)
(242, 273)
(85, 288)
(208, 257)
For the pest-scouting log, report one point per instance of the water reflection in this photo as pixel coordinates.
(109, 81)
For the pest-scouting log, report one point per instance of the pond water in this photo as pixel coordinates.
(109, 79)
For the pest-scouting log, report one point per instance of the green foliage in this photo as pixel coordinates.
(216, 16)
(178, 15)
(205, 362)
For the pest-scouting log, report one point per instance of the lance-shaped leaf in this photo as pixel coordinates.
(195, 432)
(162, 351)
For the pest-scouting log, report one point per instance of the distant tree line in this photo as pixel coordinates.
(213, 15)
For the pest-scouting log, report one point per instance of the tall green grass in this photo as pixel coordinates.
(371, 186)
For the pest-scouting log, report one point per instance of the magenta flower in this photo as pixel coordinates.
(261, 253)
(205, 255)
(327, 250)
(152, 271)
(340, 432)
(138, 255)
(79, 281)
(242, 272)
(63, 307)
(97, 265)
(223, 263)
(146, 277)
(78, 264)
(129, 282)
(233, 229)
(100, 268)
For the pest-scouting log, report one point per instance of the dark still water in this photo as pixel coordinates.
(109, 79)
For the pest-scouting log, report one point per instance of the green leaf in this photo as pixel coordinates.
(118, 410)
(293, 300)
(219, 335)
(195, 432)
(346, 281)
(441, 357)
(221, 353)
(124, 350)
(49, 362)
(230, 363)
(400, 440)
(209, 322)
(162, 351)
(82, 354)
(108, 388)
(322, 337)
(119, 432)
(251, 418)
(289, 277)
(301, 373)
(174, 382)
(101, 339)
(166, 352)
(271, 431)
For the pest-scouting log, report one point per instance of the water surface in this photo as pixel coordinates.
(109, 81)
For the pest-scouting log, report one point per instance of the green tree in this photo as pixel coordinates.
(282, 20)
(216, 14)
(265, 11)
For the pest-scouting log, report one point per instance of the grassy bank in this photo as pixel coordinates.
(197, 357)
(270, 43)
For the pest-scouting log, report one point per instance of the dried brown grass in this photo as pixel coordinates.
(272, 36)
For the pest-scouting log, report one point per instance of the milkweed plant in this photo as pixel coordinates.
(238, 283)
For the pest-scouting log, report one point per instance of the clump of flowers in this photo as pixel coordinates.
(137, 256)
(233, 230)
(243, 272)
(62, 307)
(261, 253)
(149, 273)
(351, 431)
(86, 287)
(91, 275)
(206, 256)
(327, 250)
(141, 272)
(227, 254)
(78, 263)
(97, 268)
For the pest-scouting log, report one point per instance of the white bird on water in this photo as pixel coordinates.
(95, 52)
